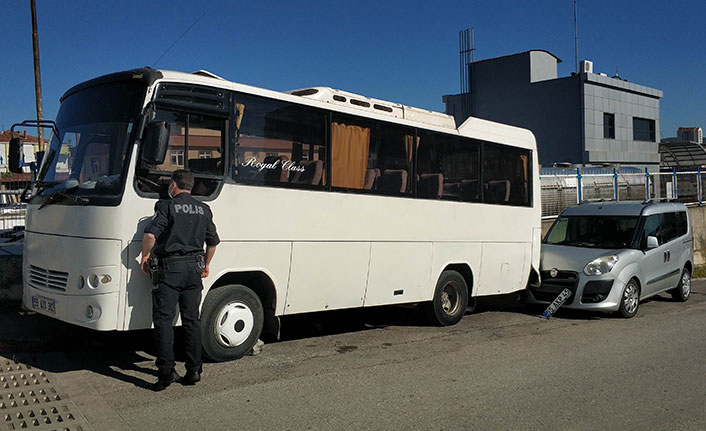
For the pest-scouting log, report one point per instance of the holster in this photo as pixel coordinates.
(153, 265)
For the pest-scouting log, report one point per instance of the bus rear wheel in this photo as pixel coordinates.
(231, 322)
(450, 299)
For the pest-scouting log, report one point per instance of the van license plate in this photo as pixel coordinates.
(563, 296)
(44, 304)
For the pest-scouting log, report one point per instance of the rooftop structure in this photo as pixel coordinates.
(584, 119)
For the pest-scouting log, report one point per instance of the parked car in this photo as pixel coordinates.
(612, 255)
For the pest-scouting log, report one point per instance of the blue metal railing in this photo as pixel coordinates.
(562, 188)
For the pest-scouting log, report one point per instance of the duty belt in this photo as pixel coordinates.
(164, 262)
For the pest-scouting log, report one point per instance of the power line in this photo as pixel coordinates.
(177, 40)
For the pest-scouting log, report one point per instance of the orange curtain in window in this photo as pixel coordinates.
(525, 162)
(408, 140)
(349, 155)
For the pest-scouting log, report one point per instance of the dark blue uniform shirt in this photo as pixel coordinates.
(181, 226)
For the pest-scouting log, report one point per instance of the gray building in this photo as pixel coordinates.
(583, 119)
(690, 134)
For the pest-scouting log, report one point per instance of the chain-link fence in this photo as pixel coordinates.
(565, 188)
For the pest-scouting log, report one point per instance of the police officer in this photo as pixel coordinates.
(176, 236)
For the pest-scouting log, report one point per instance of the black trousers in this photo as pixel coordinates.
(179, 284)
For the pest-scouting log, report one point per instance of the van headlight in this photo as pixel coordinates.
(601, 265)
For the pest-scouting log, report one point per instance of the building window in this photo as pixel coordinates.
(608, 126)
(177, 158)
(643, 129)
(204, 155)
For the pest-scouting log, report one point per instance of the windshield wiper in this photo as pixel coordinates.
(63, 194)
(43, 184)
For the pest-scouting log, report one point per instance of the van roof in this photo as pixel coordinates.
(625, 208)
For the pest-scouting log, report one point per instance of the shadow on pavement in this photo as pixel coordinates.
(60, 347)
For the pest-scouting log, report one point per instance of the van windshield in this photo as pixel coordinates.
(609, 232)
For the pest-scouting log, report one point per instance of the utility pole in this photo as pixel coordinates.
(37, 75)
(576, 39)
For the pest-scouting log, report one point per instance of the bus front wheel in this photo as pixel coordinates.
(450, 299)
(231, 322)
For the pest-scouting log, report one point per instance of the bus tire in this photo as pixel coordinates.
(231, 322)
(450, 300)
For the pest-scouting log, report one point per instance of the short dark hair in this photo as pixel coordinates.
(183, 179)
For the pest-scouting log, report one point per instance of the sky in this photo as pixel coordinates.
(401, 51)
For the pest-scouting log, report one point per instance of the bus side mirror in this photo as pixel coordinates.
(651, 243)
(155, 143)
(14, 158)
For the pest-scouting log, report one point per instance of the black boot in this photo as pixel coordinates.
(163, 382)
(190, 378)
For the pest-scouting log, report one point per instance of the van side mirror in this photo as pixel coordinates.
(651, 242)
(14, 157)
(155, 142)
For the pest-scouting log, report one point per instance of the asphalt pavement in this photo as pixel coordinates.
(502, 367)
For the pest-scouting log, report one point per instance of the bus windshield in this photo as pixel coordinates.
(88, 156)
(608, 232)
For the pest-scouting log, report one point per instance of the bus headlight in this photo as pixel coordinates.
(601, 265)
(93, 281)
(81, 282)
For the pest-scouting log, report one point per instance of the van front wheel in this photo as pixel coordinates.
(630, 301)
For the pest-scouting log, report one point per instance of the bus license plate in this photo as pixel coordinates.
(45, 304)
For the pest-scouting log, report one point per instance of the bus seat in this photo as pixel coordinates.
(469, 191)
(451, 190)
(313, 170)
(277, 174)
(499, 190)
(371, 178)
(393, 182)
(205, 166)
(204, 186)
(430, 186)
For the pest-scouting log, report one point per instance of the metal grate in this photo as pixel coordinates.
(29, 399)
(46, 278)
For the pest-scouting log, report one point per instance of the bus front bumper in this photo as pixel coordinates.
(90, 311)
(75, 280)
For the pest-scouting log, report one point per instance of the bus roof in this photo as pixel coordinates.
(337, 100)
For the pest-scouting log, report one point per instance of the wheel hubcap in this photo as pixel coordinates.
(685, 284)
(630, 298)
(233, 324)
(450, 298)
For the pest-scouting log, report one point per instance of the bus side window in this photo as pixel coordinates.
(195, 143)
(279, 143)
(448, 168)
(373, 156)
(506, 174)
